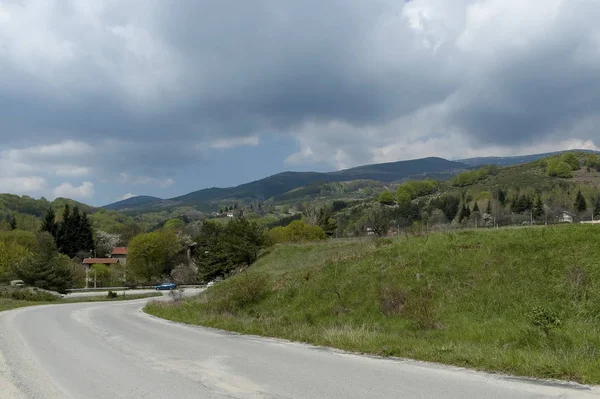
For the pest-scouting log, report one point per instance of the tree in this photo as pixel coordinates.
(12, 254)
(597, 206)
(538, 208)
(100, 272)
(49, 222)
(403, 195)
(580, 203)
(222, 249)
(558, 168)
(488, 209)
(387, 198)
(378, 219)
(153, 255)
(320, 216)
(297, 231)
(174, 224)
(74, 233)
(244, 241)
(47, 268)
(105, 243)
(571, 159)
(476, 207)
(501, 196)
(12, 222)
(465, 213)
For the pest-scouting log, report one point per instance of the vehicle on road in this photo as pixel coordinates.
(166, 286)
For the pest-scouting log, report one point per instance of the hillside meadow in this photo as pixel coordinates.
(523, 301)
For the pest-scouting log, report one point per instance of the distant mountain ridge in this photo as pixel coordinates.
(284, 182)
(132, 202)
(515, 160)
(281, 183)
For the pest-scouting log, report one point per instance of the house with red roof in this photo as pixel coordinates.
(120, 253)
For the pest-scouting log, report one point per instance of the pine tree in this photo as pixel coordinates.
(597, 207)
(85, 237)
(12, 222)
(466, 211)
(488, 210)
(501, 197)
(49, 222)
(580, 204)
(476, 207)
(538, 207)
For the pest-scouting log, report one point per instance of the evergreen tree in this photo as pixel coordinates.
(74, 232)
(476, 207)
(597, 207)
(12, 223)
(488, 210)
(501, 197)
(86, 234)
(538, 207)
(49, 223)
(47, 268)
(580, 204)
(466, 211)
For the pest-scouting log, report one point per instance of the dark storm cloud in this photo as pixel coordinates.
(150, 79)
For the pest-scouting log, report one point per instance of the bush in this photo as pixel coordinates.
(177, 295)
(239, 292)
(544, 319)
(27, 294)
(111, 295)
(297, 231)
(418, 304)
(558, 168)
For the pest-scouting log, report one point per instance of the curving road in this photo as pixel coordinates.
(114, 350)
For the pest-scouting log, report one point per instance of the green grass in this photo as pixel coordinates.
(521, 301)
(8, 304)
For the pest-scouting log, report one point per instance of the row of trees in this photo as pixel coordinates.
(72, 234)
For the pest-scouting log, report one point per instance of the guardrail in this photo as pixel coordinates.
(141, 287)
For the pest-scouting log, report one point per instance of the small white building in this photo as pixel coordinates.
(566, 217)
(230, 214)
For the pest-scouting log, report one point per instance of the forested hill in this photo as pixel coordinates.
(284, 182)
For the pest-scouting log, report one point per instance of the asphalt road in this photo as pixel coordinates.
(114, 350)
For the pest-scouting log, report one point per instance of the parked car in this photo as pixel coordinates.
(166, 286)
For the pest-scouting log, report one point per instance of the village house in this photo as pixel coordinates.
(120, 253)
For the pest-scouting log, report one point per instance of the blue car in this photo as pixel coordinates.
(166, 286)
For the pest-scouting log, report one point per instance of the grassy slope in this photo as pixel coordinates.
(458, 298)
(8, 304)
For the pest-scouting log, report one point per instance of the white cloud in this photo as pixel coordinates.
(71, 171)
(22, 185)
(85, 190)
(126, 178)
(67, 148)
(126, 196)
(250, 141)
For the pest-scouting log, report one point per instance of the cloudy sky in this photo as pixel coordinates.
(104, 99)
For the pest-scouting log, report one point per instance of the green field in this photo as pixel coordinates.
(8, 303)
(524, 301)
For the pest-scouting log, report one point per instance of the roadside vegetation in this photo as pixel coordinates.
(11, 298)
(523, 301)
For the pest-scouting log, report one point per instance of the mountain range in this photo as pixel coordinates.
(282, 183)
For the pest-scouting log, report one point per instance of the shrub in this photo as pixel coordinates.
(111, 295)
(239, 292)
(417, 304)
(297, 231)
(544, 319)
(27, 294)
(176, 295)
